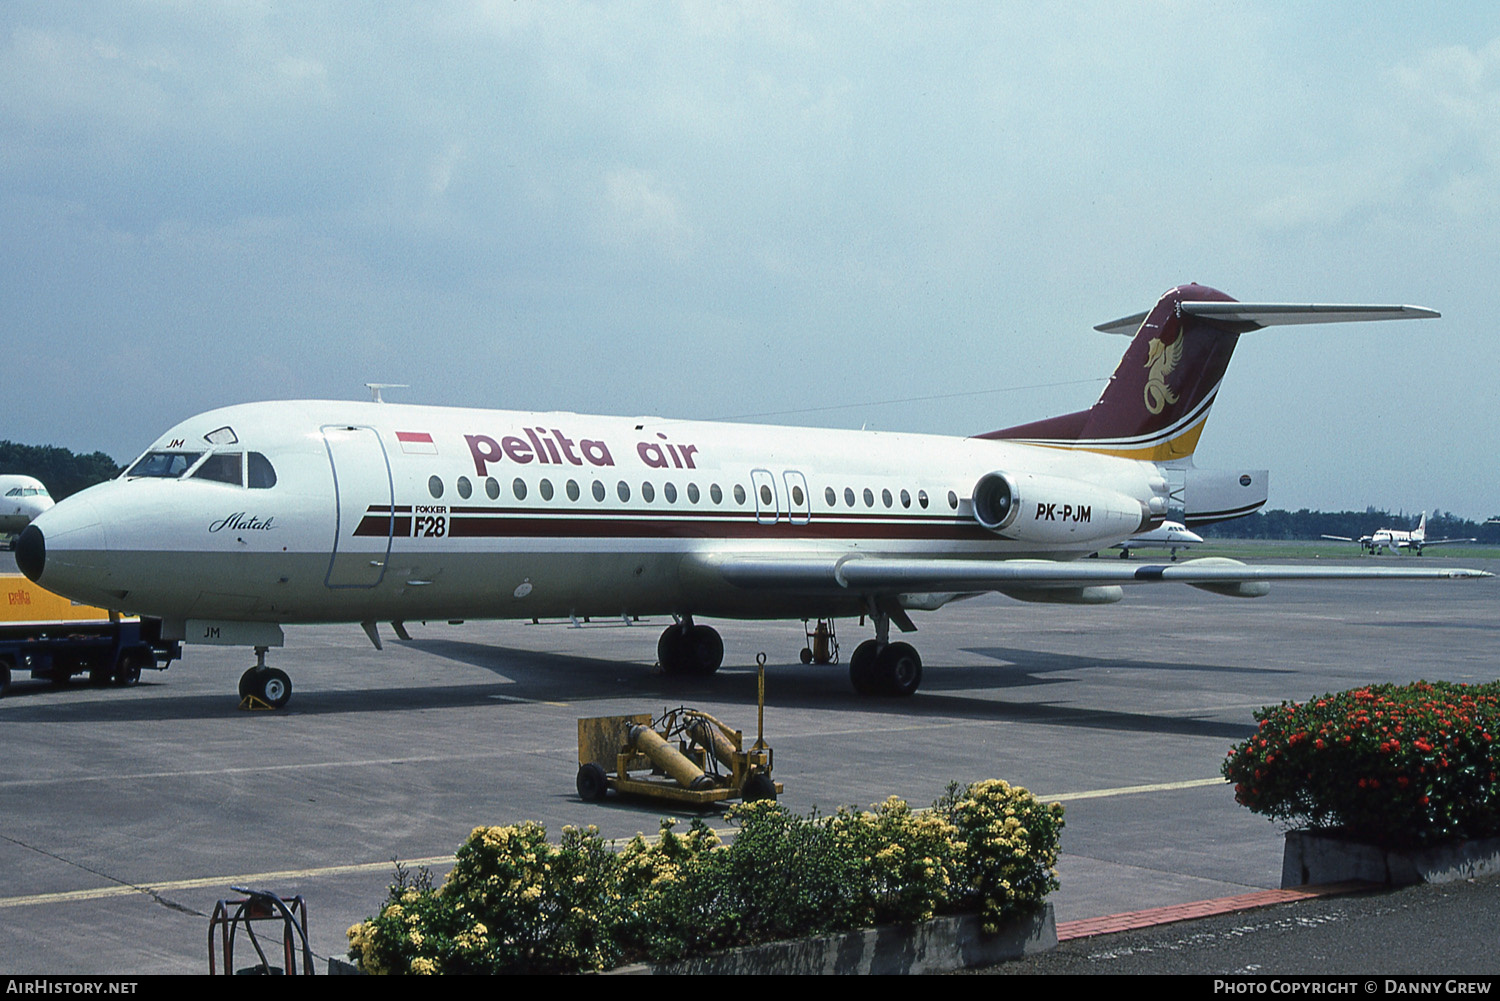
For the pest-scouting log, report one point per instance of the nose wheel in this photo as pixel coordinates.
(264, 687)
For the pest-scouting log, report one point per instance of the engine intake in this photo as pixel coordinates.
(1031, 507)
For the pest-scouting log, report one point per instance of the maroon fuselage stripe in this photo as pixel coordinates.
(490, 523)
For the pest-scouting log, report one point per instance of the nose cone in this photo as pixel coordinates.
(31, 552)
(64, 548)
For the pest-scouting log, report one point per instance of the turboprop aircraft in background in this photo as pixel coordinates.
(22, 498)
(240, 520)
(1397, 539)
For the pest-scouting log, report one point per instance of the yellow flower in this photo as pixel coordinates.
(422, 966)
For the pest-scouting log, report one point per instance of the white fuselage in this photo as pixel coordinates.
(386, 511)
(22, 498)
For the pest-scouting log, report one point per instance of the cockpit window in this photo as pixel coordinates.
(262, 475)
(164, 465)
(26, 492)
(222, 467)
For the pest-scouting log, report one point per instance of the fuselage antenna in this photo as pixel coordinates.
(376, 387)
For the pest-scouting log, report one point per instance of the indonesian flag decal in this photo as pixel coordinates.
(416, 443)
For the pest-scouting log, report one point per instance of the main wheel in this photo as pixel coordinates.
(899, 670)
(5, 665)
(703, 650)
(592, 783)
(862, 668)
(669, 650)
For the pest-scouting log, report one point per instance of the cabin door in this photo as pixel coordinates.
(363, 514)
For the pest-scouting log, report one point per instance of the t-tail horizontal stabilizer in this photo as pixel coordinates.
(1157, 402)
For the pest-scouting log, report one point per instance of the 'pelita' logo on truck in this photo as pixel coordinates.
(20, 597)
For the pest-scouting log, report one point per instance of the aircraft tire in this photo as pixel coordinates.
(4, 675)
(898, 670)
(669, 650)
(758, 786)
(592, 783)
(703, 650)
(862, 668)
(270, 685)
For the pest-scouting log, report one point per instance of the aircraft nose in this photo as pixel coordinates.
(31, 552)
(62, 548)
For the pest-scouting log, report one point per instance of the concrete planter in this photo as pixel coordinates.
(1314, 857)
(936, 946)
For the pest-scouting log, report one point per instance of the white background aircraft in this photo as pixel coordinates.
(1169, 535)
(1397, 539)
(22, 498)
(240, 519)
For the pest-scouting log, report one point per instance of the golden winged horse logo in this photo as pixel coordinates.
(1161, 359)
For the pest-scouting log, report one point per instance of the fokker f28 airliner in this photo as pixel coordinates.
(242, 519)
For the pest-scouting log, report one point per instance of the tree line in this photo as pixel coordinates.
(62, 472)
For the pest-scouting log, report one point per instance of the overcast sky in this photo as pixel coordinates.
(822, 214)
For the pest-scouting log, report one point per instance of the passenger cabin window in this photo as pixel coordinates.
(465, 488)
(163, 465)
(435, 486)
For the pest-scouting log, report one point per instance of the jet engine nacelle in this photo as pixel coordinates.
(1032, 507)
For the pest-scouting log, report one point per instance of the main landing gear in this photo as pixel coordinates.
(685, 648)
(264, 687)
(880, 667)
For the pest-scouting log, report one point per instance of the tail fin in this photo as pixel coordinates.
(1157, 402)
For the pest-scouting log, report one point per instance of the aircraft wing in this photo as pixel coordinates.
(885, 575)
(1446, 542)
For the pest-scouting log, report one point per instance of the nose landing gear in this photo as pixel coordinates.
(264, 687)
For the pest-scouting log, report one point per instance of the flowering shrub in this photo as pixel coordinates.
(515, 903)
(1399, 766)
(1008, 848)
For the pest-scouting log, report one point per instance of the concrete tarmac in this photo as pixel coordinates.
(125, 814)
